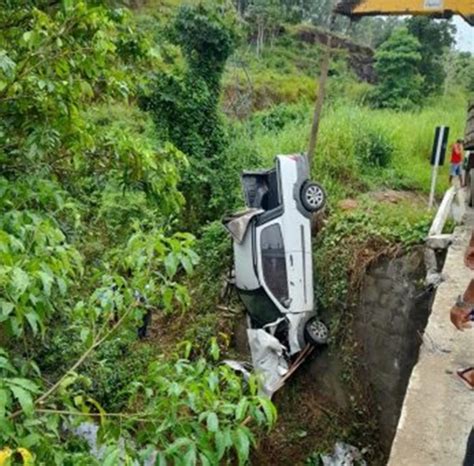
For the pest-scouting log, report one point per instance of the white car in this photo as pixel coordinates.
(273, 264)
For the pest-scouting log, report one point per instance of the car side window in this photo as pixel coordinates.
(273, 261)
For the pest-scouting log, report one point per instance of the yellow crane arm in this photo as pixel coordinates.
(436, 8)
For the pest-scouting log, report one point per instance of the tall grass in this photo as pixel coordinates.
(338, 162)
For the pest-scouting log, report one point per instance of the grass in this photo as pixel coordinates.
(342, 145)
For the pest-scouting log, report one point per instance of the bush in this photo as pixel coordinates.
(373, 149)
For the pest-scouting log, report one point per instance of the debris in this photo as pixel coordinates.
(239, 366)
(268, 356)
(344, 455)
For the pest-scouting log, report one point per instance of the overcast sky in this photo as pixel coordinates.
(465, 35)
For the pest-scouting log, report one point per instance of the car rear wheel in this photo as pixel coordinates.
(316, 332)
(313, 196)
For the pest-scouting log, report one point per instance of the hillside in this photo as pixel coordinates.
(124, 128)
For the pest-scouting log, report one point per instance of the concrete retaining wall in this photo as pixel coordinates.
(391, 316)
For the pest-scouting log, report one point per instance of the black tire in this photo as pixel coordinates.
(316, 332)
(312, 196)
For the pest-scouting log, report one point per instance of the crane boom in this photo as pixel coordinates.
(435, 8)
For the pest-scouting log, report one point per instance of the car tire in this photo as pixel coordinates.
(313, 196)
(316, 332)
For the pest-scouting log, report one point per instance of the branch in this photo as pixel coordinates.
(134, 416)
(98, 341)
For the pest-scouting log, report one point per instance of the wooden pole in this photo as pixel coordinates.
(318, 108)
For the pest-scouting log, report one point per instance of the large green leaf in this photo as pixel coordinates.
(24, 383)
(47, 279)
(242, 444)
(241, 409)
(212, 422)
(20, 281)
(24, 398)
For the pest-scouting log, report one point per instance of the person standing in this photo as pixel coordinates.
(456, 161)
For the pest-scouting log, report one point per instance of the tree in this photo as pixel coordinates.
(459, 69)
(185, 105)
(435, 38)
(397, 64)
(263, 15)
(374, 31)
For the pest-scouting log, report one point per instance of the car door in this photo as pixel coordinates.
(272, 263)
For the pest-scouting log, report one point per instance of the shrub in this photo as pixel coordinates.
(373, 148)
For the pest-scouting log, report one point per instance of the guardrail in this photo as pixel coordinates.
(453, 205)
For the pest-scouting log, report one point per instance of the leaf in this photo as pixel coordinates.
(20, 281)
(214, 350)
(178, 444)
(221, 445)
(86, 336)
(241, 409)
(61, 285)
(33, 320)
(6, 307)
(187, 264)
(171, 264)
(269, 410)
(112, 458)
(6, 365)
(3, 402)
(204, 460)
(212, 422)
(168, 298)
(24, 398)
(242, 444)
(67, 4)
(190, 458)
(47, 280)
(24, 383)
(27, 36)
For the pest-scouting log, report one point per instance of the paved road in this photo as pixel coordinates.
(438, 411)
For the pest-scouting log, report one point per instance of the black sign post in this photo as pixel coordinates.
(438, 156)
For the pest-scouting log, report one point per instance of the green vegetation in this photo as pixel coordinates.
(397, 63)
(435, 37)
(185, 106)
(122, 137)
(90, 243)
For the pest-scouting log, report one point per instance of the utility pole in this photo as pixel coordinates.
(318, 108)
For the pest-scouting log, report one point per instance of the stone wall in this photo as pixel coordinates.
(390, 318)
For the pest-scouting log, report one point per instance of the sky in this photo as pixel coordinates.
(465, 35)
